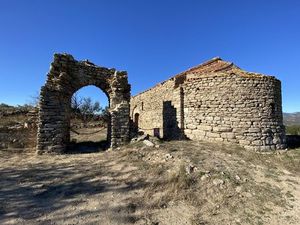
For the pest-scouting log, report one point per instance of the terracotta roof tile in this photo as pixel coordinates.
(214, 65)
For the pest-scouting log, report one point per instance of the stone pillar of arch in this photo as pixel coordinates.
(65, 77)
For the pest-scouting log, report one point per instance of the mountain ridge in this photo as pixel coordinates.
(291, 118)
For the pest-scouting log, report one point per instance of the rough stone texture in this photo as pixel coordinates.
(21, 134)
(65, 77)
(158, 108)
(215, 101)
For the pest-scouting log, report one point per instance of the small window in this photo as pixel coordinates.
(142, 105)
(272, 109)
(136, 119)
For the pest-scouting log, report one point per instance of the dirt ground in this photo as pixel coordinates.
(177, 182)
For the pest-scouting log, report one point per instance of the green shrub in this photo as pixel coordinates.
(293, 130)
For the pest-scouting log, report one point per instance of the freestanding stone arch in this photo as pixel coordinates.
(65, 77)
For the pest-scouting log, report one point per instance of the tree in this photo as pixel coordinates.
(105, 115)
(85, 108)
(76, 102)
(88, 107)
(34, 100)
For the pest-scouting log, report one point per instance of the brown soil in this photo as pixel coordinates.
(179, 182)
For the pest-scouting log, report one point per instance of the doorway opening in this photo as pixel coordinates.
(136, 120)
(89, 121)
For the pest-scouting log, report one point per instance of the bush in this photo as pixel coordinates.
(293, 130)
(88, 110)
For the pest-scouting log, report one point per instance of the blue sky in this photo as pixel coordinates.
(151, 39)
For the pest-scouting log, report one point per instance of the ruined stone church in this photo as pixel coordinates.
(215, 101)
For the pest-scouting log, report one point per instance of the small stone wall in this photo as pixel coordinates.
(65, 77)
(21, 133)
(12, 138)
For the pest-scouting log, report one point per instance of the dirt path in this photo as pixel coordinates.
(138, 185)
(67, 189)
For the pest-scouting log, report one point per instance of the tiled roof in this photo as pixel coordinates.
(215, 65)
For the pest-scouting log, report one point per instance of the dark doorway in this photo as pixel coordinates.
(171, 130)
(136, 119)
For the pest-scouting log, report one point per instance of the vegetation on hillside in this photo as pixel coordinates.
(293, 130)
(6, 109)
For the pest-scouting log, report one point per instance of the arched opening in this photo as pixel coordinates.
(136, 119)
(89, 120)
(67, 76)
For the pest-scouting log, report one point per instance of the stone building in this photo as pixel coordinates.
(215, 101)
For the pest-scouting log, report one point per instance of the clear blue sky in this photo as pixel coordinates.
(151, 39)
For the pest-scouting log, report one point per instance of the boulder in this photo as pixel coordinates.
(148, 143)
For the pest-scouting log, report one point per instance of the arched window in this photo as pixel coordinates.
(136, 119)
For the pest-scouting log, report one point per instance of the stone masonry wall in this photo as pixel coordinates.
(232, 108)
(65, 77)
(215, 101)
(155, 108)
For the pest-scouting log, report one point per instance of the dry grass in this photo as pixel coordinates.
(144, 185)
(238, 170)
(6, 121)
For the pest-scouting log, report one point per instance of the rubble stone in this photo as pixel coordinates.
(65, 77)
(215, 101)
(148, 143)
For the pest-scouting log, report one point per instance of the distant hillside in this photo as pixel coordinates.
(291, 118)
(8, 110)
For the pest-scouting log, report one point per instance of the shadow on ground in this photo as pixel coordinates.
(32, 191)
(87, 147)
(293, 141)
